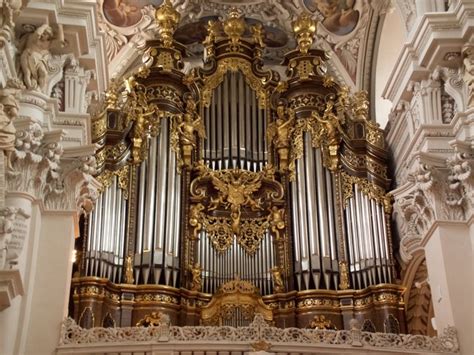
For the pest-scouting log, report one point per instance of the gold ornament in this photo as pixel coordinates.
(304, 28)
(167, 19)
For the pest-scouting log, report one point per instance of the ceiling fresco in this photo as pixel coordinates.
(125, 13)
(343, 27)
(339, 17)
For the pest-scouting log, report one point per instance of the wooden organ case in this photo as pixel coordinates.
(228, 191)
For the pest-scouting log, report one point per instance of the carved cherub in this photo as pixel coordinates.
(277, 222)
(213, 28)
(278, 285)
(191, 122)
(257, 34)
(196, 282)
(330, 124)
(280, 130)
(195, 218)
(34, 58)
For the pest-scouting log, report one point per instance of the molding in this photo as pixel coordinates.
(10, 287)
(432, 37)
(77, 340)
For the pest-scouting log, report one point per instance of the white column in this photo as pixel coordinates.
(449, 257)
(50, 292)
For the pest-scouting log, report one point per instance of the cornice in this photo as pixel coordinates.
(432, 37)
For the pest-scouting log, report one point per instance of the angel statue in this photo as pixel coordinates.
(279, 132)
(330, 129)
(190, 122)
(34, 58)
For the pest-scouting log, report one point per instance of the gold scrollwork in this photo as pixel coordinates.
(325, 133)
(146, 121)
(224, 195)
(234, 64)
(123, 175)
(367, 188)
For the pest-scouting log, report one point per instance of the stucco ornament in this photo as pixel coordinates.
(9, 10)
(34, 58)
(11, 245)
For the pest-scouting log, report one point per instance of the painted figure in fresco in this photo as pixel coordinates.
(339, 15)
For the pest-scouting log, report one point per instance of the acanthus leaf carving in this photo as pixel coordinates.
(459, 191)
(415, 211)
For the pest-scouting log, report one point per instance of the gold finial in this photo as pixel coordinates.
(304, 28)
(234, 26)
(167, 19)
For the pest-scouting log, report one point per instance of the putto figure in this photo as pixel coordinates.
(34, 59)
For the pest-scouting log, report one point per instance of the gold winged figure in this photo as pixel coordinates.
(235, 190)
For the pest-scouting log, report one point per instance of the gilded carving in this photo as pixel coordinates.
(129, 270)
(277, 277)
(234, 64)
(184, 127)
(304, 28)
(343, 275)
(230, 192)
(167, 19)
(196, 277)
(320, 322)
(279, 132)
(367, 188)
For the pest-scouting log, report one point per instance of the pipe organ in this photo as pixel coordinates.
(228, 190)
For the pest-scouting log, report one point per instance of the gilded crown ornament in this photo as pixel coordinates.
(167, 19)
(304, 28)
